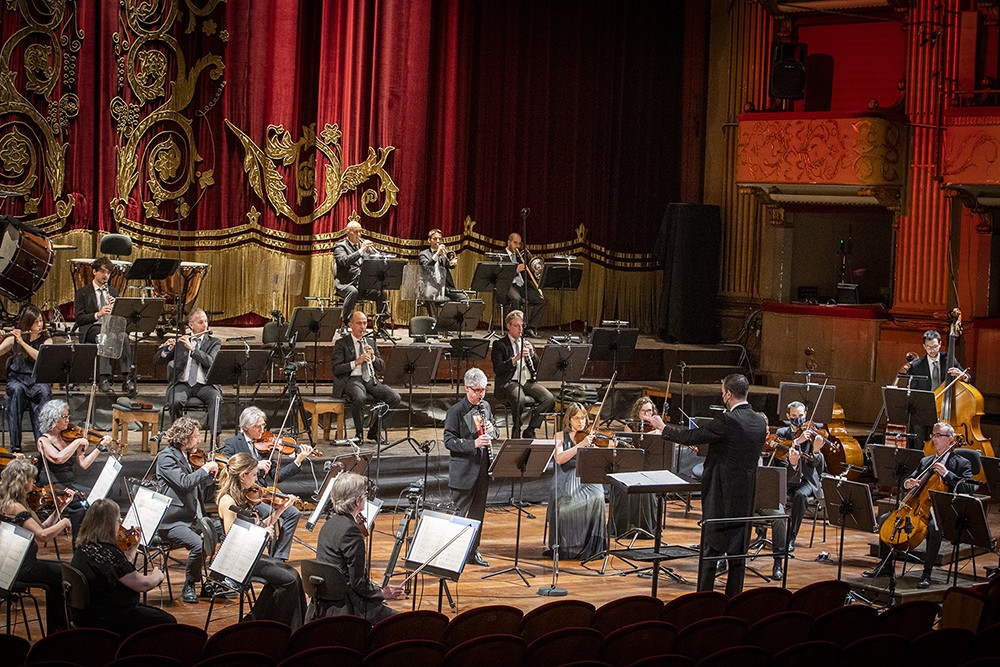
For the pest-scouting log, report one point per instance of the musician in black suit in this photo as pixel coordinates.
(356, 364)
(185, 486)
(515, 363)
(349, 254)
(272, 469)
(735, 439)
(92, 302)
(192, 355)
(436, 264)
(928, 371)
(523, 294)
(469, 429)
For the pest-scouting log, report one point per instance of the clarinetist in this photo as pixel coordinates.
(515, 364)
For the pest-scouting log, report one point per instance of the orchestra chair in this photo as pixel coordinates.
(844, 625)
(14, 648)
(555, 615)
(565, 645)
(876, 651)
(820, 597)
(422, 326)
(322, 408)
(424, 624)
(625, 611)
(488, 650)
(68, 645)
(262, 636)
(494, 619)
(76, 592)
(631, 643)
(325, 586)
(330, 631)
(703, 638)
(818, 507)
(324, 656)
(173, 640)
(908, 620)
(744, 656)
(16, 597)
(812, 653)
(408, 652)
(794, 626)
(753, 604)
(692, 607)
(160, 548)
(116, 244)
(193, 404)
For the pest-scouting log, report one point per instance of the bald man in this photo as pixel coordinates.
(349, 255)
(523, 294)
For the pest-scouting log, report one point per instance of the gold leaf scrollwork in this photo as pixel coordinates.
(267, 181)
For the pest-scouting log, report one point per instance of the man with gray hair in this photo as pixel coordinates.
(469, 429)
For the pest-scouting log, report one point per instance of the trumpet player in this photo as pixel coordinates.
(192, 355)
(355, 364)
(436, 263)
(524, 292)
(349, 255)
(515, 364)
(93, 302)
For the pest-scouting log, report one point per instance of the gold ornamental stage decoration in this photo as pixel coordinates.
(266, 179)
(38, 103)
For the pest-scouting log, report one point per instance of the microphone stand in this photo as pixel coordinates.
(553, 590)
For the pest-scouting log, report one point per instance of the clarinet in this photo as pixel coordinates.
(529, 362)
(485, 427)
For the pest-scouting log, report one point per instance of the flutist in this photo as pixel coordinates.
(192, 355)
(350, 254)
(436, 263)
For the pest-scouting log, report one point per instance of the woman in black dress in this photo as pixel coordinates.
(23, 393)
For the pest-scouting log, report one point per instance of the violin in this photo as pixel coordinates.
(40, 497)
(286, 446)
(197, 458)
(257, 494)
(779, 448)
(128, 538)
(362, 524)
(6, 456)
(94, 437)
(601, 439)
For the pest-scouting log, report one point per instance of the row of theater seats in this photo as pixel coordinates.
(764, 626)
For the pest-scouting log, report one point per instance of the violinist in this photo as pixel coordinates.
(582, 529)
(23, 393)
(637, 511)
(524, 293)
(93, 302)
(16, 480)
(112, 579)
(436, 263)
(341, 544)
(192, 355)
(282, 598)
(272, 469)
(804, 463)
(185, 486)
(62, 456)
(515, 363)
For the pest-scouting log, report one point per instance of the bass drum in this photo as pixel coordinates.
(25, 260)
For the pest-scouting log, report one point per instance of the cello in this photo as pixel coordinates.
(906, 527)
(958, 402)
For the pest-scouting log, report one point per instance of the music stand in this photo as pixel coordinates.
(237, 367)
(495, 277)
(410, 364)
(913, 407)
(561, 275)
(65, 364)
(991, 470)
(460, 316)
(770, 492)
(848, 505)
(313, 324)
(593, 466)
(520, 459)
(893, 465)
(962, 520)
(565, 362)
(808, 394)
(379, 274)
(465, 349)
(613, 344)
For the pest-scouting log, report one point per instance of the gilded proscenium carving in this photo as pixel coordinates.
(157, 155)
(267, 181)
(33, 136)
(833, 151)
(972, 154)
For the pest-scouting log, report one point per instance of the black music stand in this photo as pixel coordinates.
(410, 364)
(613, 344)
(961, 520)
(913, 407)
(465, 349)
(237, 367)
(808, 394)
(893, 465)
(565, 362)
(520, 459)
(593, 466)
(315, 325)
(561, 275)
(770, 492)
(66, 364)
(379, 274)
(849, 505)
(991, 470)
(495, 277)
(460, 316)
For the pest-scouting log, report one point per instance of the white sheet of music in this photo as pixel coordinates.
(14, 544)
(434, 530)
(239, 551)
(109, 474)
(372, 508)
(148, 508)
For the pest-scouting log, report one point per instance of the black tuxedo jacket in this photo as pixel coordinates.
(341, 544)
(86, 308)
(808, 471)
(503, 367)
(460, 434)
(428, 261)
(959, 472)
(922, 367)
(348, 261)
(344, 352)
(203, 355)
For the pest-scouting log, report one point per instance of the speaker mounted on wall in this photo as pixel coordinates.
(788, 70)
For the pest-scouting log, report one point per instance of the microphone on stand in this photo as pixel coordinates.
(525, 211)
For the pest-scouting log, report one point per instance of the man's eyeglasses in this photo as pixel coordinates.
(940, 435)
(476, 390)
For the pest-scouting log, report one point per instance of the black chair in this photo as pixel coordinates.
(116, 244)
(68, 645)
(76, 591)
(324, 585)
(16, 597)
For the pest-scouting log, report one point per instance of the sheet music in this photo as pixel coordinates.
(239, 551)
(372, 508)
(109, 474)
(148, 508)
(14, 544)
(434, 531)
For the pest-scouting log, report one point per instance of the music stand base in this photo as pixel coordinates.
(414, 443)
(515, 569)
(552, 591)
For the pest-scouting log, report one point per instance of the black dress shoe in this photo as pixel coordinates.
(722, 567)
(791, 545)
(104, 384)
(188, 595)
(925, 582)
(529, 434)
(477, 559)
(874, 573)
(128, 388)
(776, 572)
(211, 589)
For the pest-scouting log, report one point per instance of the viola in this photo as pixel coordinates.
(128, 538)
(41, 497)
(94, 437)
(197, 458)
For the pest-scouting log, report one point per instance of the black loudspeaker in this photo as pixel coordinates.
(788, 71)
(688, 249)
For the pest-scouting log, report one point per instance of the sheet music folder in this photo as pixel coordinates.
(651, 481)
(238, 554)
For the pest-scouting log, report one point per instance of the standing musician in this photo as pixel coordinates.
(523, 294)
(582, 530)
(356, 364)
(282, 598)
(341, 543)
(192, 355)
(515, 363)
(94, 301)
(436, 264)
(17, 479)
(735, 439)
(184, 485)
(23, 393)
(253, 425)
(469, 430)
(62, 456)
(349, 255)
(636, 511)
(928, 373)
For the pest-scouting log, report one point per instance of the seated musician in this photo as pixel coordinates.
(184, 484)
(62, 453)
(356, 364)
(282, 598)
(436, 264)
(524, 295)
(955, 471)
(272, 469)
(112, 579)
(192, 355)
(16, 480)
(515, 363)
(93, 302)
(349, 255)
(636, 512)
(582, 531)
(341, 543)
(23, 393)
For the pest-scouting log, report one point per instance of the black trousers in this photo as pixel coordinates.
(471, 503)
(357, 392)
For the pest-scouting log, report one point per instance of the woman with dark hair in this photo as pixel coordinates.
(16, 480)
(282, 598)
(23, 393)
(113, 581)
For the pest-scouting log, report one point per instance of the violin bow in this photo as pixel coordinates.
(666, 393)
(593, 427)
(952, 383)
